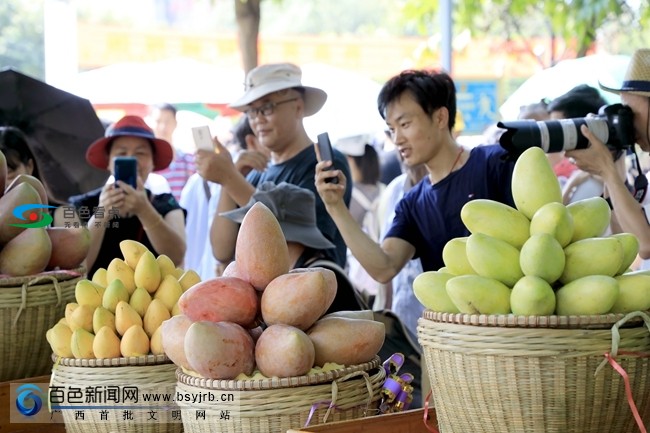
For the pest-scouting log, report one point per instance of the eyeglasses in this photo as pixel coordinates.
(266, 109)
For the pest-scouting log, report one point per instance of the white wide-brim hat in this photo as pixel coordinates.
(273, 77)
(637, 76)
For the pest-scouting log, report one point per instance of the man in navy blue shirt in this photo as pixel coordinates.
(420, 110)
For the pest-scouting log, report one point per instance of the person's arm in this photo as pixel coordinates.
(381, 262)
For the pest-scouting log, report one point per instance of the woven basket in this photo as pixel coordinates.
(29, 306)
(276, 405)
(535, 379)
(146, 372)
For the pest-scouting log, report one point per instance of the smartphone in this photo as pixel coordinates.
(203, 138)
(126, 169)
(325, 152)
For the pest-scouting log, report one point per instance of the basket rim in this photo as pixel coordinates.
(60, 275)
(275, 382)
(514, 321)
(130, 361)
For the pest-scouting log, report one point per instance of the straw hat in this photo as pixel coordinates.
(637, 77)
(273, 77)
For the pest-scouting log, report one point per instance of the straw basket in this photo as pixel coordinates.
(29, 306)
(278, 404)
(150, 372)
(518, 374)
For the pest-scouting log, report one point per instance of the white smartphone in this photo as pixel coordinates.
(203, 138)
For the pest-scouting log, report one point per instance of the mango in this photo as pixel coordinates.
(176, 310)
(69, 309)
(493, 258)
(284, 351)
(118, 270)
(106, 344)
(299, 298)
(134, 342)
(534, 183)
(147, 272)
(99, 277)
(261, 250)
(188, 279)
(357, 314)
(88, 293)
(102, 317)
(125, 317)
(166, 266)
(346, 341)
(592, 256)
(34, 182)
(591, 216)
(532, 296)
(140, 300)
(590, 295)
(630, 244)
(178, 272)
(156, 314)
(155, 343)
(26, 254)
(454, 255)
(81, 317)
(173, 339)
(634, 293)
(114, 293)
(59, 337)
(542, 256)
(169, 292)
(219, 350)
(430, 289)
(81, 344)
(23, 193)
(556, 220)
(473, 294)
(69, 246)
(497, 220)
(132, 251)
(231, 270)
(220, 299)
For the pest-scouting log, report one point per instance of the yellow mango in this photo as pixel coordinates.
(178, 272)
(534, 183)
(147, 272)
(134, 342)
(473, 294)
(556, 220)
(630, 244)
(497, 220)
(103, 317)
(430, 289)
(88, 293)
(454, 255)
(99, 277)
(69, 308)
(634, 293)
(81, 344)
(119, 270)
(493, 258)
(542, 256)
(125, 317)
(532, 296)
(592, 256)
(132, 251)
(156, 342)
(155, 315)
(106, 343)
(188, 279)
(590, 295)
(176, 310)
(169, 291)
(591, 216)
(166, 266)
(60, 337)
(81, 317)
(140, 300)
(114, 293)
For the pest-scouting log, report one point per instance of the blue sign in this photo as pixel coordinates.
(477, 103)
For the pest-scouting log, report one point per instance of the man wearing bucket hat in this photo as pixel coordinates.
(276, 103)
(120, 211)
(627, 213)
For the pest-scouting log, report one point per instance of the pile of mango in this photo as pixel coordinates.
(540, 259)
(261, 319)
(119, 312)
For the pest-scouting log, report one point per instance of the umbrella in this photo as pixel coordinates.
(565, 75)
(59, 126)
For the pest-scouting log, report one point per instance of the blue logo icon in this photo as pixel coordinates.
(35, 221)
(29, 400)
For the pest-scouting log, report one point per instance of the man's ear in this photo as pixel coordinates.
(441, 117)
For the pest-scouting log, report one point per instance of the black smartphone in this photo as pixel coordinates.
(325, 151)
(126, 169)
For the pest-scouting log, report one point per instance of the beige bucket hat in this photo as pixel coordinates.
(637, 77)
(273, 77)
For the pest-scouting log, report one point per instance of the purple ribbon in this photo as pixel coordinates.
(315, 407)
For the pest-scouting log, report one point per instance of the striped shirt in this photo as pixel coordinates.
(179, 171)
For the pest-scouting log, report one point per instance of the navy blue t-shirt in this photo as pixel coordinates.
(300, 170)
(429, 215)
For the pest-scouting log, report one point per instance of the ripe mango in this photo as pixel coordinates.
(24, 193)
(454, 255)
(178, 272)
(534, 183)
(188, 279)
(59, 337)
(592, 256)
(118, 270)
(102, 317)
(70, 246)
(134, 342)
(26, 254)
(166, 266)
(590, 295)
(634, 293)
(542, 256)
(140, 300)
(106, 344)
(125, 317)
(630, 244)
(132, 251)
(88, 293)
(497, 220)
(156, 314)
(173, 339)
(169, 292)
(493, 258)
(473, 294)
(81, 317)
(591, 217)
(33, 181)
(284, 351)
(114, 293)
(69, 308)
(147, 272)
(554, 219)
(231, 270)
(532, 296)
(99, 277)
(430, 289)
(81, 344)
(155, 342)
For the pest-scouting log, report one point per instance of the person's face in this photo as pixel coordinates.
(20, 168)
(276, 129)
(164, 124)
(639, 105)
(416, 134)
(138, 147)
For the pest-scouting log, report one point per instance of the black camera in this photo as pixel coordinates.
(614, 126)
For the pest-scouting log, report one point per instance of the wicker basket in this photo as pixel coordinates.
(29, 306)
(146, 372)
(276, 405)
(504, 378)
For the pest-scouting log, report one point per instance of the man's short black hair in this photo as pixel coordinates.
(578, 102)
(165, 106)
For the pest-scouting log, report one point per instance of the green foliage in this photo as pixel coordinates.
(21, 36)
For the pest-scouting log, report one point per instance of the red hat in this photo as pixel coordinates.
(130, 126)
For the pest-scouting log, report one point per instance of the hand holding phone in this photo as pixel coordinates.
(325, 152)
(203, 138)
(125, 168)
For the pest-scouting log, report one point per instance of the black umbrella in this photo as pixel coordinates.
(60, 127)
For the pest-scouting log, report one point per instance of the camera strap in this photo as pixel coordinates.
(640, 182)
